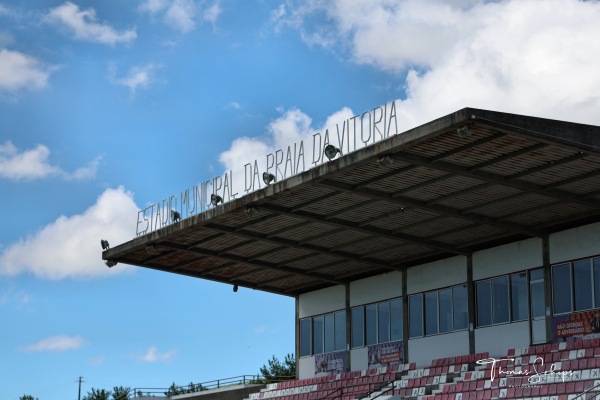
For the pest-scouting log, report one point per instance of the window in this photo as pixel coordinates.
(460, 307)
(538, 293)
(329, 333)
(561, 288)
(323, 334)
(371, 326)
(377, 323)
(415, 315)
(318, 335)
(576, 285)
(484, 303)
(305, 337)
(445, 299)
(383, 319)
(340, 330)
(518, 300)
(396, 319)
(358, 327)
(440, 311)
(431, 314)
(502, 299)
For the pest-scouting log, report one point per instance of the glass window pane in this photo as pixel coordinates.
(358, 327)
(597, 282)
(383, 317)
(538, 299)
(431, 313)
(484, 303)
(536, 274)
(318, 335)
(371, 326)
(445, 297)
(518, 287)
(415, 315)
(329, 334)
(396, 317)
(459, 302)
(561, 288)
(340, 330)
(582, 279)
(500, 302)
(305, 337)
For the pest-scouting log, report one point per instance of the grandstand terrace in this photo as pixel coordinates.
(474, 236)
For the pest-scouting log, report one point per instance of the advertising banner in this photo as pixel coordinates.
(385, 354)
(576, 324)
(330, 363)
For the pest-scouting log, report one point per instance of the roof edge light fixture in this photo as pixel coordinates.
(331, 151)
(251, 211)
(104, 244)
(464, 131)
(110, 263)
(268, 178)
(151, 249)
(235, 288)
(215, 199)
(385, 161)
(175, 216)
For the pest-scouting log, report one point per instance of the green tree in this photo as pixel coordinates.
(97, 394)
(27, 397)
(276, 370)
(121, 393)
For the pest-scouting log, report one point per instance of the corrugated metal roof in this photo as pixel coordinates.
(446, 194)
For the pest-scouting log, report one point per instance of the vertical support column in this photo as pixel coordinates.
(348, 328)
(405, 332)
(297, 337)
(471, 303)
(547, 286)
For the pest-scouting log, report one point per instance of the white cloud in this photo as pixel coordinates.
(83, 24)
(33, 164)
(211, 14)
(70, 246)
(181, 15)
(152, 355)
(526, 56)
(141, 76)
(19, 71)
(56, 343)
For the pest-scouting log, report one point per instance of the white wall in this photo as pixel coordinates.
(437, 274)
(360, 358)
(499, 338)
(306, 367)
(376, 288)
(580, 242)
(322, 301)
(423, 350)
(508, 258)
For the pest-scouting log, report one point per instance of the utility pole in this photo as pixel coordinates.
(79, 395)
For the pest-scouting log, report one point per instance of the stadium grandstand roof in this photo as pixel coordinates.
(467, 181)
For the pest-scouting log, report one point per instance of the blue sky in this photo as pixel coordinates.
(109, 106)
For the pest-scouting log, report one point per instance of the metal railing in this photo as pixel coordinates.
(208, 385)
(357, 390)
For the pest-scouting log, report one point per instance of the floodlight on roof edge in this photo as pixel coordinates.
(110, 263)
(215, 199)
(104, 244)
(331, 151)
(385, 161)
(175, 216)
(251, 211)
(235, 288)
(464, 131)
(268, 178)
